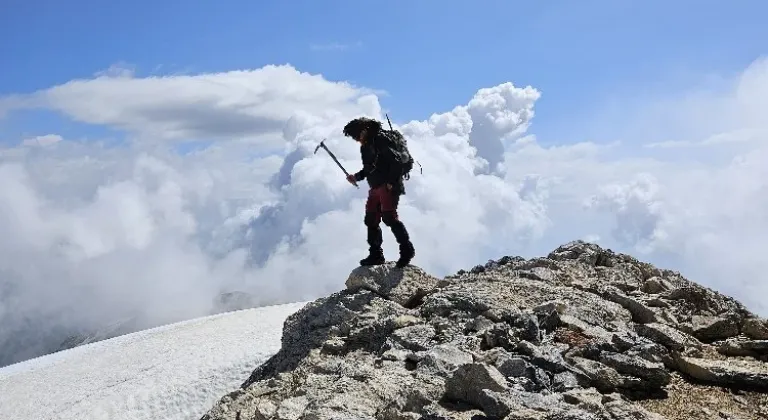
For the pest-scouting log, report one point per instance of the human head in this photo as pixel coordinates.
(361, 128)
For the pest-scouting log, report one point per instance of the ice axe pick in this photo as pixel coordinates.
(322, 144)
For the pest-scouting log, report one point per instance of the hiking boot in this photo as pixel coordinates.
(406, 255)
(403, 239)
(373, 258)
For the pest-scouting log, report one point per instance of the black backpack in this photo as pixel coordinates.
(398, 146)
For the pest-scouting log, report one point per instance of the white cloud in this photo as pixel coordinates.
(42, 141)
(90, 233)
(120, 69)
(498, 113)
(727, 138)
(231, 105)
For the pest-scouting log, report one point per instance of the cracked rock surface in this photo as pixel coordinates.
(584, 333)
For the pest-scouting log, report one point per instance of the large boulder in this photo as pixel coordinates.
(405, 286)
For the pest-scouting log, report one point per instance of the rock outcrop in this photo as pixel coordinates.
(584, 333)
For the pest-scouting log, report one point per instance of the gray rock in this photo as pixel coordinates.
(595, 374)
(468, 382)
(620, 410)
(415, 337)
(640, 312)
(652, 352)
(693, 299)
(713, 328)
(521, 404)
(549, 308)
(654, 375)
(405, 286)
(589, 254)
(522, 375)
(512, 366)
(545, 356)
(445, 358)
(495, 404)
(655, 285)
(587, 398)
(334, 345)
(655, 302)
(292, 408)
(666, 336)
(455, 299)
(564, 381)
(743, 347)
(479, 324)
(756, 328)
(624, 340)
(733, 373)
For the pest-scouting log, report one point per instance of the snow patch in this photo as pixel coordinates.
(176, 371)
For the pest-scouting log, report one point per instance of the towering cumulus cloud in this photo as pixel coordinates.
(152, 229)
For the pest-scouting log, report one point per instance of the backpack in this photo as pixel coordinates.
(398, 146)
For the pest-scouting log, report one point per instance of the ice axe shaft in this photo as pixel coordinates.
(322, 144)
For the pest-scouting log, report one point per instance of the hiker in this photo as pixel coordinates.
(385, 178)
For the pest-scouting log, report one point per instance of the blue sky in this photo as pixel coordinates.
(429, 55)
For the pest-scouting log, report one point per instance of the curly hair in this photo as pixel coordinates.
(356, 126)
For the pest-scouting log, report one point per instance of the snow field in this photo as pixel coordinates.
(173, 372)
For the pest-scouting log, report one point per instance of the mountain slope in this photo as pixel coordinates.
(37, 338)
(584, 333)
(174, 372)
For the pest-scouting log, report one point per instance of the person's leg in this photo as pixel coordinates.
(389, 202)
(372, 224)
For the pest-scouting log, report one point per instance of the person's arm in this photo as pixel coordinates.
(367, 167)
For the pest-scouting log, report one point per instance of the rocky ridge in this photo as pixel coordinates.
(584, 333)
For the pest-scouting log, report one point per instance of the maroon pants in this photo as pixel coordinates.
(381, 203)
(382, 206)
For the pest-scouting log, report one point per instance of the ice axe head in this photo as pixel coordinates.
(319, 146)
(322, 144)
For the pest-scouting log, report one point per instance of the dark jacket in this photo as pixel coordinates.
(378, 165)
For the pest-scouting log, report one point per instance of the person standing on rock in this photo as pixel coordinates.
(386, 163)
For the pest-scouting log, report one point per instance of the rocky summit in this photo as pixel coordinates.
(582, 334)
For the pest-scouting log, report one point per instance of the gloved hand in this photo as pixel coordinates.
(351, 179)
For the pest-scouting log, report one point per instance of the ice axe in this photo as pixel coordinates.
(322, 144)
